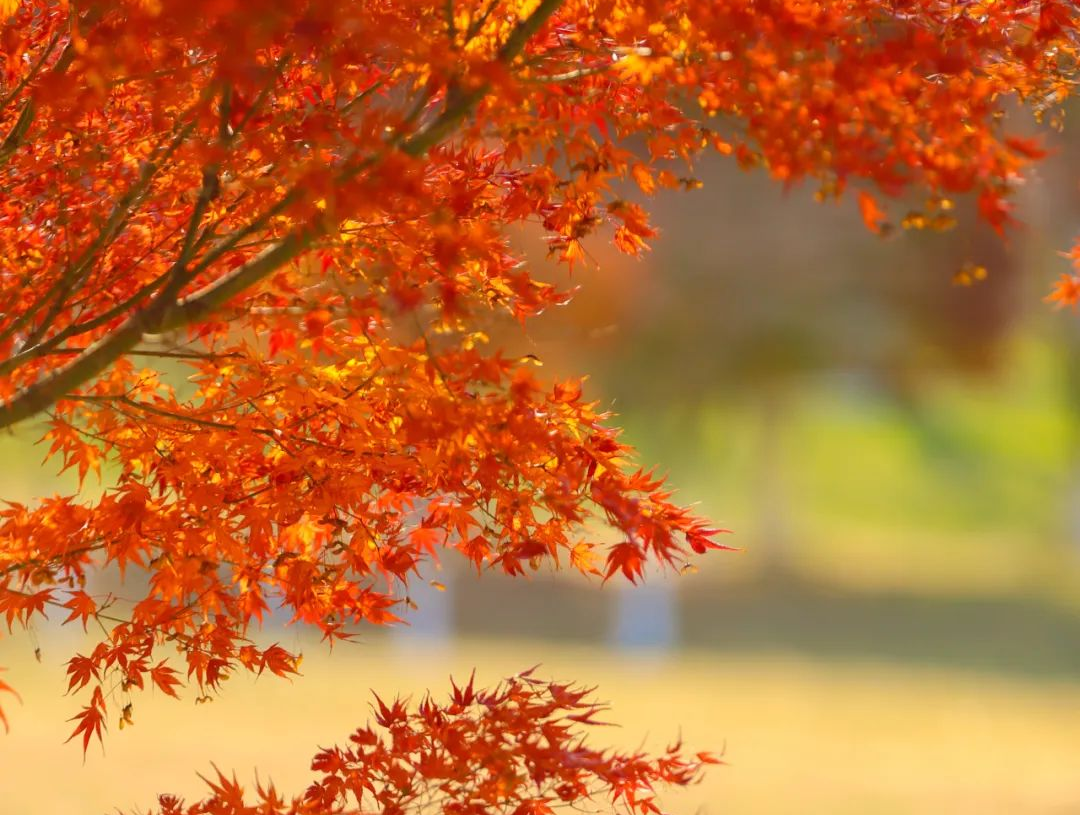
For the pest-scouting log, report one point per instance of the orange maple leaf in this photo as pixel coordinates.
(873, 216)
(628, 558)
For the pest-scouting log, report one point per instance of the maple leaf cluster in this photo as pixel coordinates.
(250, 255)
(516, 748)
(312, 221)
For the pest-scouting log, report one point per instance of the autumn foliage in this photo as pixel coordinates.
(250, 258)
(511, 749)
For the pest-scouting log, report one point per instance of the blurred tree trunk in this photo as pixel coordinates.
(1071, 363)
(774, 536)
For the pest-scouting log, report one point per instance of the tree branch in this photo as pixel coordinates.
(164, 313)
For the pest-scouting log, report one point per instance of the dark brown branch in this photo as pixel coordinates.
(49, 346)
(61, 65)
(17, 133)
(164, 313)
(32, 74)
(78, 272)
(139, 352)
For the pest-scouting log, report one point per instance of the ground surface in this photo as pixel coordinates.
(801, 735)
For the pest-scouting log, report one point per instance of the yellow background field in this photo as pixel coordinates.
(800, 736)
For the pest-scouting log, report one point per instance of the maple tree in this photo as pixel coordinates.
(307, 204)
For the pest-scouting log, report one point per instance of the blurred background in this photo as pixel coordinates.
(895, 444)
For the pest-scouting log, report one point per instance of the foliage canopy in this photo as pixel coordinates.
(307, 204)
